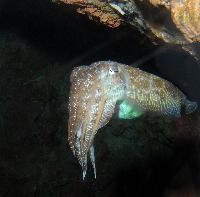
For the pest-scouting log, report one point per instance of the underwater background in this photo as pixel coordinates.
(40, 43)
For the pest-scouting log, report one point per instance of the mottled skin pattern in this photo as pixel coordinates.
(152, 93)
(95, 90)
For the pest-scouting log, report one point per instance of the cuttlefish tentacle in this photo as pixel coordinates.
(90, 131)
(92, 158)
(102, 116)
(105, 113)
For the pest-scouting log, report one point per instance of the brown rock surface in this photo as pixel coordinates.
(171, 21)
(96, 10)
(186, 16)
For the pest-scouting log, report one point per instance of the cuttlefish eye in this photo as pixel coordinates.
(112, 71)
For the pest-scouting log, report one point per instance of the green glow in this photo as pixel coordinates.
(128, 111)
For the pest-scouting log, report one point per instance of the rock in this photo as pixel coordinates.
(186, 16)
(97, 10)
(170, 21)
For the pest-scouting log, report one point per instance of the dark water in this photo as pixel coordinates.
(40, 43)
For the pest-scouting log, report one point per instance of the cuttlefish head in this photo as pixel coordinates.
(94, 92)
(113, 79)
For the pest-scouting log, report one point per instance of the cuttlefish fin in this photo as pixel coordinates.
(92, 158)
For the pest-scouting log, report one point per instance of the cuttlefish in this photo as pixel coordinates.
(97, 89)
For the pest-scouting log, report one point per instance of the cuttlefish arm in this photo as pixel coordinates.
(94, 112)
(93, 124)
(75, 105)
(89, 110)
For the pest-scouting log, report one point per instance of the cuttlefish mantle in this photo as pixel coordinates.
(95, 91)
